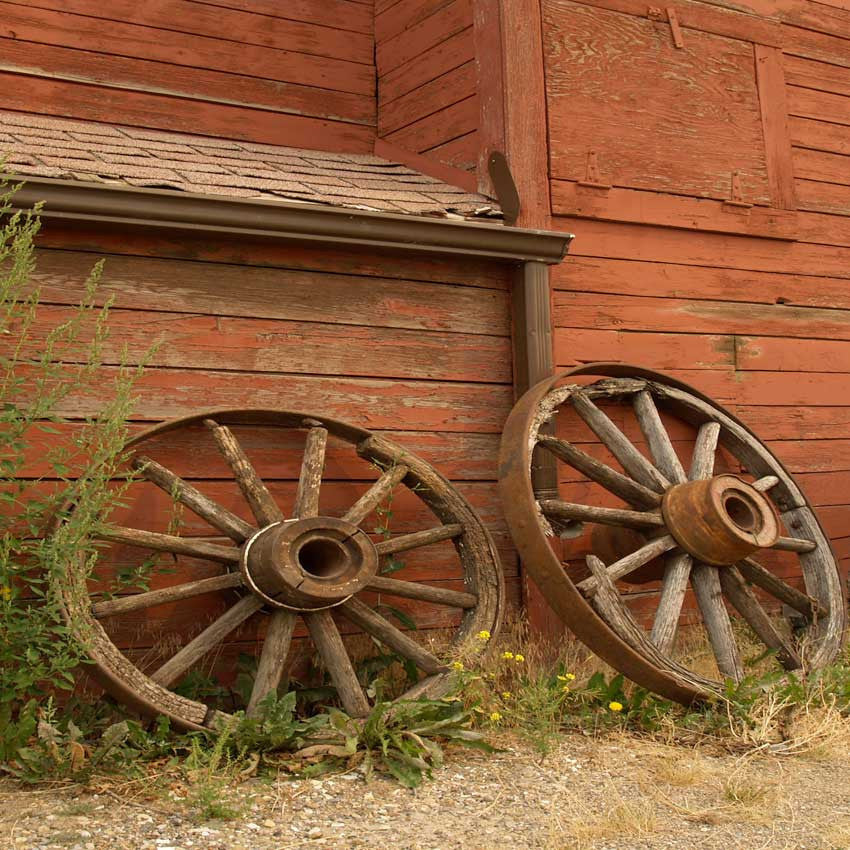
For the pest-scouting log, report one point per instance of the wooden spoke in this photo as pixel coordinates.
(631, 562)
(673, 589)
(556, 509)
(263, 506)
(777, 588)
(615, 482)
(766, 483)
(332, 650)
(212, 635)
(702, 464)
(375, 494)
(706, 583)
(660, 446)
(405, 542)
(273, 658)
(423, 592)
(618, 444)
(171, 543)
(312, 467)
(794, 544)
(373, 623)
(218, 517)
(137, 601)
(743, 599)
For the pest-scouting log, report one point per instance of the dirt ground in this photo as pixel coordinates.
(607, 793)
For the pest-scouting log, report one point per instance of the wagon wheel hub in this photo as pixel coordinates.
(720, 520)
(308, 564)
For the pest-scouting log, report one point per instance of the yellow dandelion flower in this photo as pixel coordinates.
(519, 658)
(495, 717)
(569, 676)
(457, 666)
(483, 635)
(6, 592)
(565, 688)
(509, 656)
(506, 694)
(615, 706)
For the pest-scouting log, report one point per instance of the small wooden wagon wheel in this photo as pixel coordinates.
(283, 565)
(678, 527)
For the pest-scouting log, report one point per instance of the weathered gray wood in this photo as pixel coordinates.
(310, 479)
(273, 658)
(332, 651)
(702, 464)
(217, 516)
(660, 445)
(423, 592)
(765, 483)
(746, 604)
(706, 584)
(211, 636)
(794, 544)
(674, 586)
(376, 494)
(630, 563)
(137, 601)
(556, 509)
(767, 581)
(170, 543)
(615, 482)
(414, 540)
(263, 506)
(373, 623)
(618, 443)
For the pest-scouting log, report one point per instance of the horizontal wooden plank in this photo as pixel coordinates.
(403, 15)
(821, 76)
(825, 488)
(91, 102)
(195, 287)
(792, 422)
(438, 94)
(823, 197)
(819, 135)
(672, 315)
(820, 105)
(798, 41)
(182, 81)
(790, 354)
(594, 105)
(42, 26)
(643, 207)
(822, 166)
(232, 27)
(442, 24)
(717, 250)
(670, 280)
(430, 65)
(461, 152)
(260, 345)
(415, 405)
(444, 125)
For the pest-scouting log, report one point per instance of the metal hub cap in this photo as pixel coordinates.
(720, 520)
(307, 564)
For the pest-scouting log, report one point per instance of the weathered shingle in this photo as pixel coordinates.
(39, 145)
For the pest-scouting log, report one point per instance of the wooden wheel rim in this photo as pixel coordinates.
(611, 637)
(476, 551)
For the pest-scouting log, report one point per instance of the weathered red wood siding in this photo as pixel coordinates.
(427, 78)
(749, 304)
(416, 348)
(299, 73)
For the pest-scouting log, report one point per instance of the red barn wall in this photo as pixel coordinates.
(296, 73)
(417, 349)
(750, 304)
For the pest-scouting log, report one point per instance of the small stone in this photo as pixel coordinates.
(314, 832)
(269, 824)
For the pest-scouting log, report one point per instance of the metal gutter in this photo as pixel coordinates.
(68, 200)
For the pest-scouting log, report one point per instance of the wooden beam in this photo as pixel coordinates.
(487, 34)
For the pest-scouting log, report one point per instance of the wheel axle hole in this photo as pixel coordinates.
(323, 559)
(741, 513)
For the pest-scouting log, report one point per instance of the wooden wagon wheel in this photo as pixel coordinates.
(678, 528)
(306, 565)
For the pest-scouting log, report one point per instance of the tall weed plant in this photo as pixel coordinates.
(51, 499)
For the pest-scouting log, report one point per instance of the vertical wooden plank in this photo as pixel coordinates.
(525, 109)
(770, 78)
(487, 33)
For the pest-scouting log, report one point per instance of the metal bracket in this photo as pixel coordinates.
(737, 199)
(656, 13)
(592, 177)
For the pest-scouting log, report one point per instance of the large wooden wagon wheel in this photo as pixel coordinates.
(285, 565)
(679, 529)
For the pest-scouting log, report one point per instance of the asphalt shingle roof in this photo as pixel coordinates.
(43, 146)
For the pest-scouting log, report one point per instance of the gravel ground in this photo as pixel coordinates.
(587, 794)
